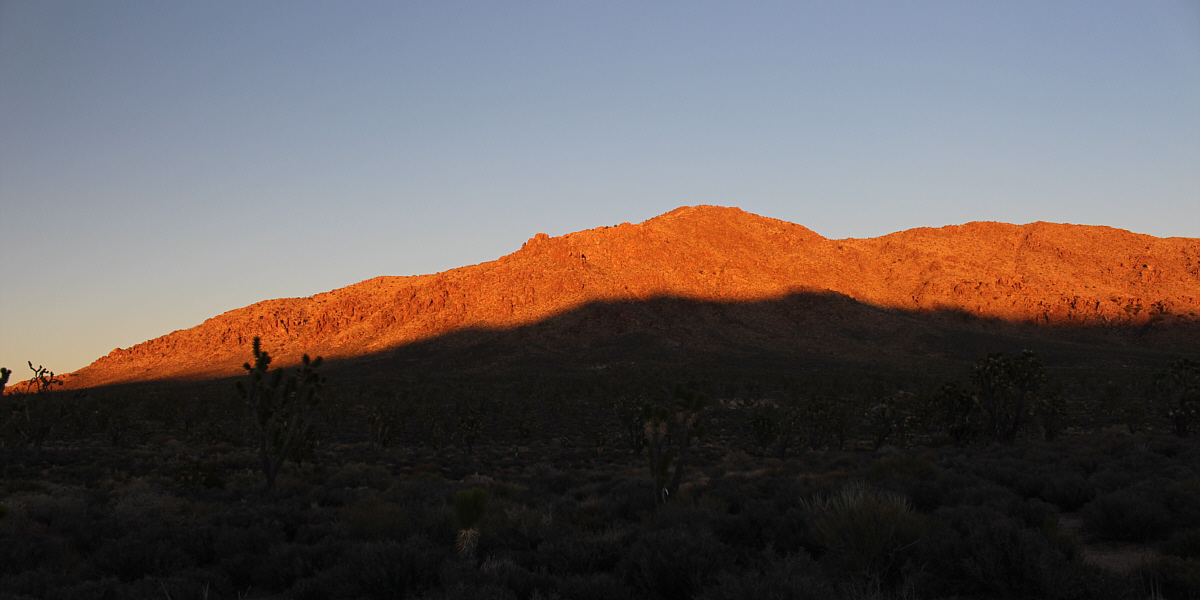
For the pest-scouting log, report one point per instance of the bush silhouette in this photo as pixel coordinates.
(865, 533)
(1007, 391)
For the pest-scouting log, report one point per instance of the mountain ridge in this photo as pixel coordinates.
(1043, 273)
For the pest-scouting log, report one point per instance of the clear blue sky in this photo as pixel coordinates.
(163, 162)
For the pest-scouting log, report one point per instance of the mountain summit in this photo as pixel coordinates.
(1039, 273)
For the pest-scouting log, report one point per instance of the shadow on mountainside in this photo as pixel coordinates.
(800, 335)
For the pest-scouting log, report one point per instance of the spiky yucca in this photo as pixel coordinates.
(469, 508)
(864, 531)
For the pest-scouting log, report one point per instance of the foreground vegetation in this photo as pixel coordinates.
(1005, 484)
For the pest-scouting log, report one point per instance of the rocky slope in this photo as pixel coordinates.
(1041, 273)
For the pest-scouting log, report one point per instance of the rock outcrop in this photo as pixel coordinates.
(1044, 273)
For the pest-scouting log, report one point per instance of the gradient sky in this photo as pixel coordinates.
(164, 162)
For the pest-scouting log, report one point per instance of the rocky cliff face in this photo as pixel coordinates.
(1044, 273)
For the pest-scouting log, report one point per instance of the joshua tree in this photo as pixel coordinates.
(957, 413)
(1051, 411)
(670, 430)
(630, 414)
(791, 416)
(1007, 391)
(385, 419)
(469, 428)
(35, 413)
(765, 425)
(281, 408)
(1178, 393)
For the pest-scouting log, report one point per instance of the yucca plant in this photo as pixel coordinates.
(864, 531)
(469, 508)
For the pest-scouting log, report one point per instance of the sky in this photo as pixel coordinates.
(164, 162)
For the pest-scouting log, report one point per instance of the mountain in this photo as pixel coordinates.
(710, 279)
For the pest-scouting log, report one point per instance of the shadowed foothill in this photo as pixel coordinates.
(710, 404)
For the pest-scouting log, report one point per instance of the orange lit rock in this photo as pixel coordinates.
(1042, 273)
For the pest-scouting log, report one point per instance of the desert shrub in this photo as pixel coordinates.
(115, 420)
(948, 489)
(1184, 544)
(1050, 410)
(1171, 578)
(1068, 492)
(1110, 478)
(1183, 500)
(151, 552)
(104, 587)
(382, 570)
(29, 584)
(470, 506)
(1032, 512)
(977, 551)
(1122, 406)
(584, 553)
(522, 582)
(197, 474)
(469, 509)
(241, 541)
(546, 477)
(1168, 447)
(1137, 466)
(782, 578)
(470, 591)
(1012, 472)
(957, 414)
(191, 584)
(26, 550)
(55, 513)
(627, 500)
(1177, 391)
(1007, 391)
(1085, 463)
(630, 416)
(975, 492)
(891, 416)
(865, 533)
(372, 518)
(590, 586)
(385, 416)
(287, 563)
(673, 563)
(758, 524)
(903, 469)
(468, 427)
(1132, 515)
(356, 475)
(765, 426)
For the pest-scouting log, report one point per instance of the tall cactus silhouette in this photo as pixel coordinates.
(281, 406)
(671, 428)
